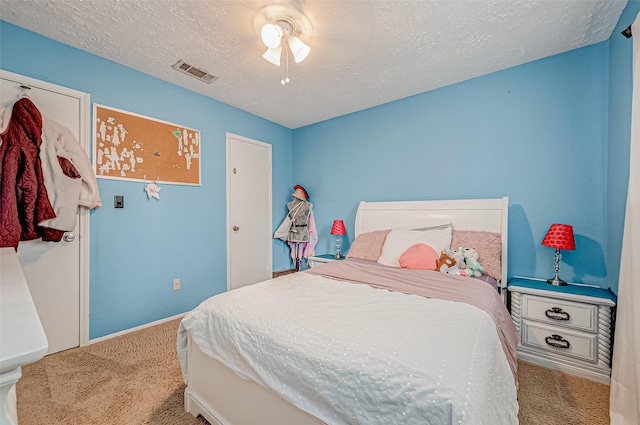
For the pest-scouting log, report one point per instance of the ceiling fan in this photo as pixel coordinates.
(281, 26)
(289, 28)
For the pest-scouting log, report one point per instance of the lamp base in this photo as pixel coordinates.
(556, 281)
(337, 254)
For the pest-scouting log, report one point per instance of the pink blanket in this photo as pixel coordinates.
(431, 284)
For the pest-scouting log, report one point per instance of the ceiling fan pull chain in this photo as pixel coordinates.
(286, 77)
(285, 68)
(282, 68)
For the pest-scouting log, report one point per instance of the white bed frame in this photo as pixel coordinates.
(224, 398)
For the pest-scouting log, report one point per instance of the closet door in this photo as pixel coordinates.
(53, 269)
(249, 237)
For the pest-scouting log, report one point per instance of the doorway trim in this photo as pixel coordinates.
(83, 219)
(269, 147)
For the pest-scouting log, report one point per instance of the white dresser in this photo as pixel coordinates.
(567, 328)
(22, 339)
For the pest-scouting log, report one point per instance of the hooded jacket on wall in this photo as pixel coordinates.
(44, 176)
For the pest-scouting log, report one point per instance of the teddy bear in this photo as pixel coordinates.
(446, 264)
(473, 267)
(458, 256)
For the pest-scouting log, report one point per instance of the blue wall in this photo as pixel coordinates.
(620, 92)
(137, 251)
(536, 133)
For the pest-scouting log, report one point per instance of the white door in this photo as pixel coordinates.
(249, 236)
(53, 269)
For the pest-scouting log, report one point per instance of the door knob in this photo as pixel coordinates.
(69, 237)
(236, 228)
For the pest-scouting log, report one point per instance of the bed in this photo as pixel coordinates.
(359, 341)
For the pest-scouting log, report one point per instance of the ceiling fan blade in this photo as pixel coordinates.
(251, 4)
(355, 32)
(328, 19)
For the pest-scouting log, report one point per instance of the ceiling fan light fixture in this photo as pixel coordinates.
(280, 25)
(271, 35)
(273, 55)
(299, 49)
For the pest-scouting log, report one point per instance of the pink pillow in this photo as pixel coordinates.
(419, 257)
(368, 246)
(487, 244)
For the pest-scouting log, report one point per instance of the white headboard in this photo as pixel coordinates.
(490, 215)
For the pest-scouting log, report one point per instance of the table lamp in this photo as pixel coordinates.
(338, 230)
(559, 236)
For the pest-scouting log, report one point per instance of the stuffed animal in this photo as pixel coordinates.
(458, 255)
(446, 264)
(471, 260)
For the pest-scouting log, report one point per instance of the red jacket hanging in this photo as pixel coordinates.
(23, 197)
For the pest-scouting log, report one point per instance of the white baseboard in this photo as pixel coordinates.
(137, 328)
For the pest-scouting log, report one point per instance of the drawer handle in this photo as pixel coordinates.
(557, 341)
(556, 313)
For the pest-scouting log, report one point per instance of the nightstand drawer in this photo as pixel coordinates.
(564, 342)
(318, 260)
(560, 312)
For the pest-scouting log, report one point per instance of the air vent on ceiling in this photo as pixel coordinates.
(195, 72)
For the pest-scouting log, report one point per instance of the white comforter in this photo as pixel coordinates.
(352, 354)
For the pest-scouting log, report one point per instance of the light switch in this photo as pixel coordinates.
(118, 201)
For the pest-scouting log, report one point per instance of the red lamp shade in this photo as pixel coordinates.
(560, 236)
(338, 228)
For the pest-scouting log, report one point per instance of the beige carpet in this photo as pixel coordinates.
(136, 379)
(550, 397)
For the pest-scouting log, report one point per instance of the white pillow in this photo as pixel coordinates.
(398, 241)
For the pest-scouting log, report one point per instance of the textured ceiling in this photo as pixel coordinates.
(363, 53)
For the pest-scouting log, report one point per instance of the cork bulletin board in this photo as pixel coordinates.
(129, 146)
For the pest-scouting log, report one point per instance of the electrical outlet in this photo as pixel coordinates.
(176, 284)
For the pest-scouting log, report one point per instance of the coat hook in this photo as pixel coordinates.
(23, 92)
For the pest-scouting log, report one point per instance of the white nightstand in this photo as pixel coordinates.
(567, 328)
(322, 259)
